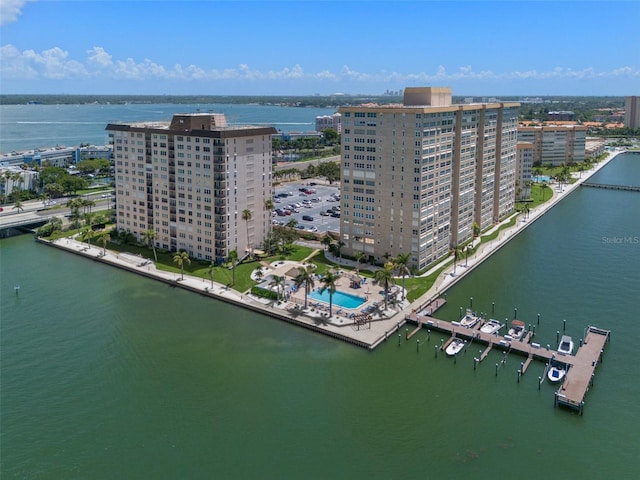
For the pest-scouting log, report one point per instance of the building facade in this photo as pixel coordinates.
(632, 112)
(190, 181)
(418, 175)
(555, 144)
(524, 168)
(329, 121)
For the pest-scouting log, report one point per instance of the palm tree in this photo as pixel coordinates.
(56, 223)
(359, 256)
(246, 216)
(326, 241)
(468, 248)
(233, 260)
(180, 259)
(292, 223)
(457, 251)
(339, 245)
(104, 239)
(329, 280)
(18, 206)
(268, 206)
(149, 237)
(544, 188)
(210, 270)
(384, 276)
(88, 234)
(401, 266)
(305, 277)
(277, 281)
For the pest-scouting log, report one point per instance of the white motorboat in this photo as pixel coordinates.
(556, 373)
(517, 329)
(454, 347)
(492, 326)
(470, 319)
(566, 345)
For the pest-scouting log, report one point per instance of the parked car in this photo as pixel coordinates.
(324, 213)
(335, 214)
(307, 218)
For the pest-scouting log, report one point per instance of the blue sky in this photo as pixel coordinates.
(305, 47)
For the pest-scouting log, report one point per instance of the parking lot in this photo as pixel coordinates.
(303, 205)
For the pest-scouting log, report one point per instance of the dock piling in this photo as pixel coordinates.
(417, 345)
(564, 325)
(538, 319)
(399, 338)
(493, 307)
(435, 349)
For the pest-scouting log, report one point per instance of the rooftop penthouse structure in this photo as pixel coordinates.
(417, 176)
(193, 182)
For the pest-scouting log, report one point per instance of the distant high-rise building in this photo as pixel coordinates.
(192, 182)
(555, 144)
(632, 112)
(329, 121)
(416, 176)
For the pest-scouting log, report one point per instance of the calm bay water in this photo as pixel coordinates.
(108, 375)
(25, 127)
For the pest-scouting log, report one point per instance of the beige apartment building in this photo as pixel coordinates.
(524, 170)
(190, 180)
(416, 176)
(632, 112)
(555, 144)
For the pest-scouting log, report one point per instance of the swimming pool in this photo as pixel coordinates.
(541, 178)
(342, 299)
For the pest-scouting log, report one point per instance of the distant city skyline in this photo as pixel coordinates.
(306, 47)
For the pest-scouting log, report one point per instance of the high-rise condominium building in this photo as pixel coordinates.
(417, 176)
(555, 144)
(197, 183)
(632, 112)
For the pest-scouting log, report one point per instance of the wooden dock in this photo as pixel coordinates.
(579, 377)
(580, 367)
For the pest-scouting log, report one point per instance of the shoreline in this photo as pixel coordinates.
(379, 329)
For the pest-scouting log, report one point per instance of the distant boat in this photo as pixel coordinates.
(556, 372)
(454, 347)
(470, 319)
(492, 326)
(517, 329)
(566, 345)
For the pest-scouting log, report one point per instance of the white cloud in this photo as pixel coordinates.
(55, 63)
(10, 10)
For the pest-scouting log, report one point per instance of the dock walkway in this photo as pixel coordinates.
(580, 367)
(580, 375)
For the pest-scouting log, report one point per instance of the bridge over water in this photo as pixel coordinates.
(632, 188)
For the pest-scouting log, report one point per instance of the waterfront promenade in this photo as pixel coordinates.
(368, 335)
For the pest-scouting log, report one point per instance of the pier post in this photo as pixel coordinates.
(538, 319)
(475, 362)
(497, 369)
(460, 311)
(564, 325)
(557, 336)
(493, 307)
(435, 349)
(418, 345)
(428, 334)
(406, 333)
(580, 342)
(515, 313)
(519, 374)
(399, 338)
(539, 382)
(471, 302)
